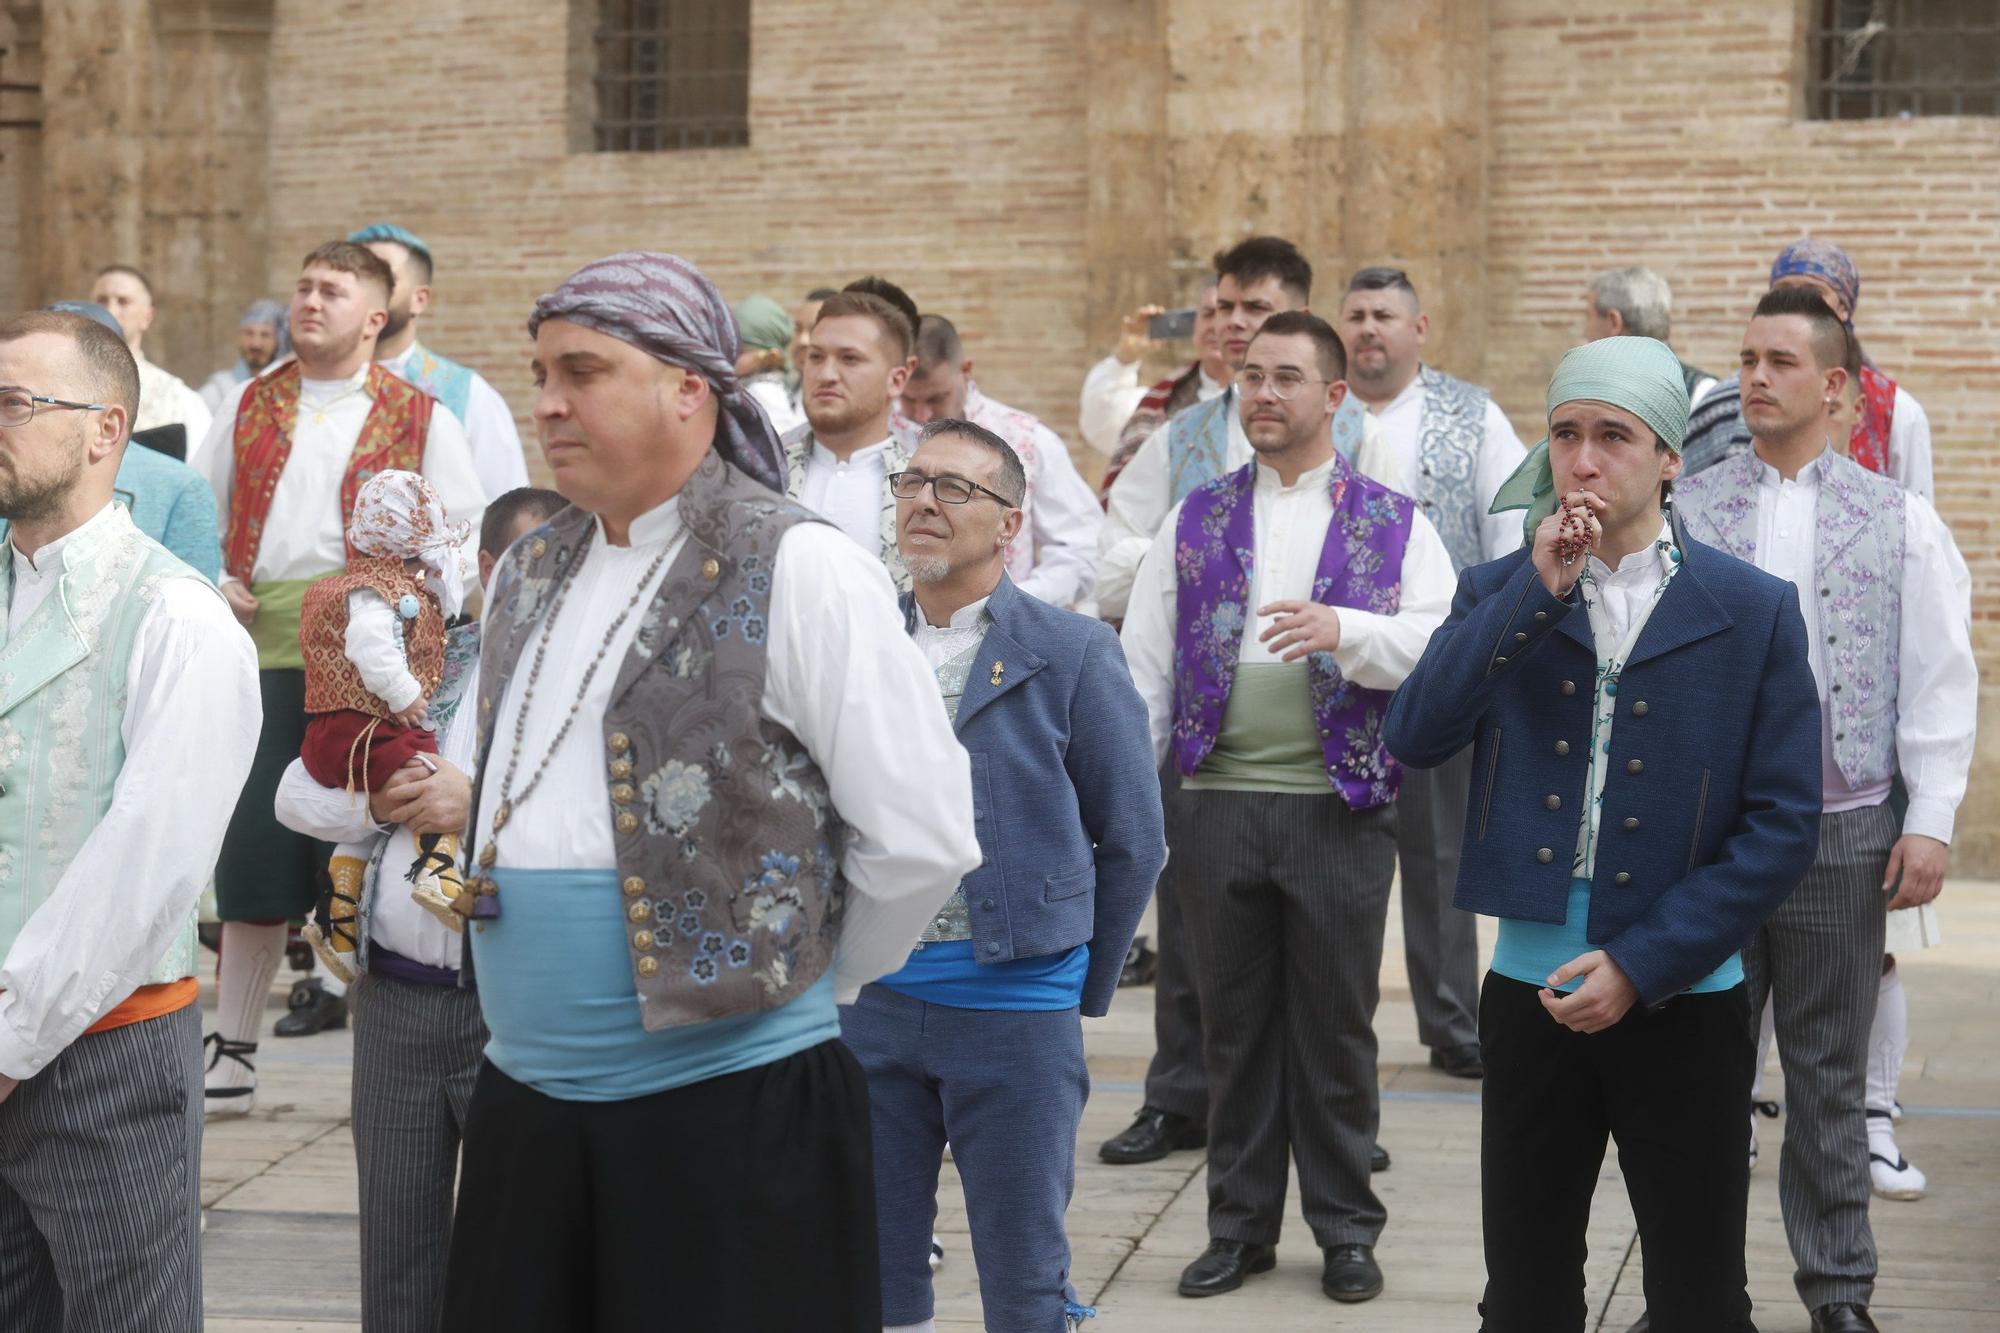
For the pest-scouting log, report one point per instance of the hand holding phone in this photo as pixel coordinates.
(1169, 324)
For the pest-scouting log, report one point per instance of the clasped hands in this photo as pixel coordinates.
(1604, 998)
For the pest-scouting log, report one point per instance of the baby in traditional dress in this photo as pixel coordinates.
(374, 645)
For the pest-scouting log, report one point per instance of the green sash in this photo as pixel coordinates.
(275, 631)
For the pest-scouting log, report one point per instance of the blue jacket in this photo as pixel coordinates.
(1065, 795)
(172, 504)
(1711, 808)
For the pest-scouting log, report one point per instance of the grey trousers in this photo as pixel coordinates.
(416, 1053)
(1175, 1079)
(100, 1185)
(1819, 958)
(1440, 943)
(1289, 895)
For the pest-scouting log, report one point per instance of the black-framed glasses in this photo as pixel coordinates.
(1283, 384)
(948, 489)
(17, 406)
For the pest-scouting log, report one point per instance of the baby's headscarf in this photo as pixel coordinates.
(397, 514)
(1640, 375)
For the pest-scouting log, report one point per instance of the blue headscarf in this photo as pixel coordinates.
(1810, 257)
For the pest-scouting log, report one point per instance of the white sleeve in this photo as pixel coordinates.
(1937, 688)
(1499, 455)
(1910, 446)
(327, 813)
(843, 676)
(448, 466)
(1379, 652)
(215, 456)
(371, 645)
(1065, 522)
(494, 440)
(192, 714)
(194, 413)
(1111, 392)
(1148, 634)
(1136, 507)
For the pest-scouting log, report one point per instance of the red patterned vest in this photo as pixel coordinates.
(333, 683)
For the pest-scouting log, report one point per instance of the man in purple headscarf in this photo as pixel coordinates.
(712, 804)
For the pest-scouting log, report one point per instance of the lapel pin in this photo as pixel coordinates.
(998, 667)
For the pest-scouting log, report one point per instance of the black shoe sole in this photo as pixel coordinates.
(1352, 1297)
(1120, 1157)
(279, 1030)
(1264, 1265)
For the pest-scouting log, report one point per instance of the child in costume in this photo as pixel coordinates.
(374, 643)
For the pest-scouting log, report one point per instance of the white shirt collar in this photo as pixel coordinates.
(1208, 388)
(324, 388)
(826, 457)
(1269, 482)
(1647, 562)
(656, 527)
(45, 562)
(966, 617)
(1410, 391)
(1809, 475)
(395, 364)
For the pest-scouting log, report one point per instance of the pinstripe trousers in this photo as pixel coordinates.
(416, 1053)
(1819, 958)
(1286, 897)
(100, 1185)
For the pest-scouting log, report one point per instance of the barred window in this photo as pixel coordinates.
(670, 74)
(1875, 58)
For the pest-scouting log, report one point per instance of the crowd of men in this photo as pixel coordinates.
(823, 736)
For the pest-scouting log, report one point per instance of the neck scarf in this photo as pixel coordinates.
(397, 514)
(668, 308)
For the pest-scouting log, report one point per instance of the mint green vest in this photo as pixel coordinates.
(62, 707)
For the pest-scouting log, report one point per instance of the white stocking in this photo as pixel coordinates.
(250, 958)
(1888, 1042)
(1767, 1029)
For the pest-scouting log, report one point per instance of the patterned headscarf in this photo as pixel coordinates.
(1638, 374)
(398, 515)
(764, 323)
(275, 315)
(1810, 257)
(666, 307)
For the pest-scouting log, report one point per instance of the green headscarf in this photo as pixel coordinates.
(1639, 375)
(763, 323)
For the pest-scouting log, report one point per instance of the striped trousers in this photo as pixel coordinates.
(1286, 898)
(100, 1185)
(416, 1052)
(1819, 958)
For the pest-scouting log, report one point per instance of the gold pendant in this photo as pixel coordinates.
(998, 667)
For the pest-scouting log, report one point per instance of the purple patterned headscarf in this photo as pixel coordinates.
(1810, 257)
(666, 307)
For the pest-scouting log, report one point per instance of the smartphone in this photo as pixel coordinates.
(1172, 324)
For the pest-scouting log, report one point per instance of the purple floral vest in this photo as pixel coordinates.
(1361, 565)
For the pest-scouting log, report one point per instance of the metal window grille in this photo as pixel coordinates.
(1881, 58)
(672, 74)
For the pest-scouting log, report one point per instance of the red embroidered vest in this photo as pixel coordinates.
(333, 683)
(392, 437)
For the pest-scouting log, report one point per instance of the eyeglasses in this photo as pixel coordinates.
(17, 407)
(948, 489)
(1284, 385)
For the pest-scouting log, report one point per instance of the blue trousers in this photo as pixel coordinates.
(1006, 1090)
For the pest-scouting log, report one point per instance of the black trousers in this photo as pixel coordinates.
(1671, 1086)
(743, 1202)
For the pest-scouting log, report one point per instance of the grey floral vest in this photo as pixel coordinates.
(1858, 566)
(728, 845)
(1449, 437)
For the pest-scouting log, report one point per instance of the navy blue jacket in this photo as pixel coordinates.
(1065, 796)
(1712, 803)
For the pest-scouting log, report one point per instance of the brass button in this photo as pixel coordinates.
(627, 822)
(642, 940)
(639, 911)
(1631, 823)
(486, 705)
(1544, 855)
(1640, 709)
(622, 793)
(1569, 687)
(710, 569)
(538, 548)
(1621, 878)
(634, 886)
(1553, 802)
(621, 769)
(1635, 766)
(1541, 617)
(620, 742)
(1499, 661)
(1520, 637)
(1562, 747)
(648, 965)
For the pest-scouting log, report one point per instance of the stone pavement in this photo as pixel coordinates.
(281, 1256)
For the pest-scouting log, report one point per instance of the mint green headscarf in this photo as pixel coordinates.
(763, 323)
(1640, 375)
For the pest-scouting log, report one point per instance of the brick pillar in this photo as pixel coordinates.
(96, 64)
(1126, 221)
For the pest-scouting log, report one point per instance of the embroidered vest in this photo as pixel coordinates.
(1869, 444)
(333, 683)
(727, 842)
(1716, 431)
(1449, 437)
(1018, 429)
(62, 711)
(1360, 565)
(392, 436)
(798, 445)
(1198, 440)
(440, 377)
(1858, 568)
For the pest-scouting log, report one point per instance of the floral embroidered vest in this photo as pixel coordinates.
(1858, 566)
(440, 377)
(1449, 437)
(62, 713)
(1360, 565)
(392, 436)
(333, 683)
(1198, 440)
(727, 842)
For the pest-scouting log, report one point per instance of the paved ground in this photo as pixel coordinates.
(280, 1187)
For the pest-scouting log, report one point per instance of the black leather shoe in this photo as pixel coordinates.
(1459, 1061)
(313, 1011)
(1843, 1317)
(1153, 1134)
(1378, 1159)
(1223, 1266)
(1351, 1274)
